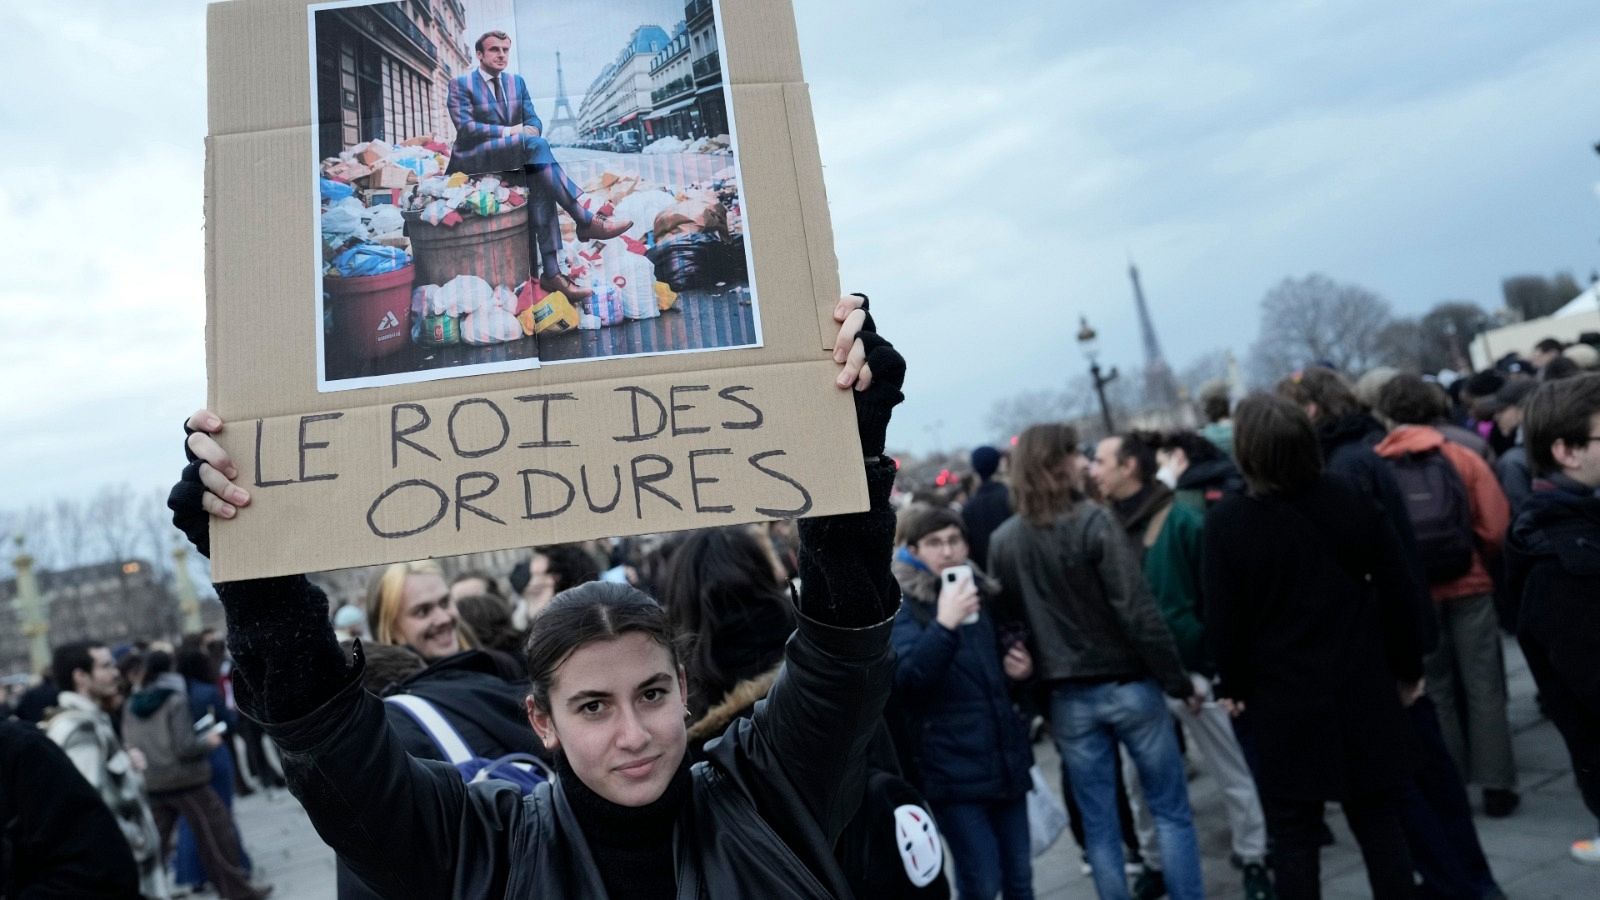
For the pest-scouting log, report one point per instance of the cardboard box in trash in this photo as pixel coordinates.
(512, 459)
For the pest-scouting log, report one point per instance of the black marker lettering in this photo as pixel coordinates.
(372, 511)
(305, 422)
(728, 393)
(544, 422)
(805, 495)
(397, 435)
(672, 397)
(638, 433)
(450, 428)
(646, 482)
(527, 493)
(462, 500)
(695, 480)
(259, 482)
(616, 494)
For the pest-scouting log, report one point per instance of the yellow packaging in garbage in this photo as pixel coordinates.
(554, 313)
(457, 179)
(666, 297)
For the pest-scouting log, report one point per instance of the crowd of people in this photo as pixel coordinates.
(1304, 599)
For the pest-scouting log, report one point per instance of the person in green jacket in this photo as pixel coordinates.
(1167, 536)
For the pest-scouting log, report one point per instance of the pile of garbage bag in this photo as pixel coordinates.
(720, 144)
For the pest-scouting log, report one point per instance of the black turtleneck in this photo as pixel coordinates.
(631, 845)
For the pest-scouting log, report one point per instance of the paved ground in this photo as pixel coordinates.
(1528, 851)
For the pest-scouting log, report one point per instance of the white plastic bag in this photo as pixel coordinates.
(464, 295)
(385, 220)
(342, 222)
(490, 325)
(634, 277)
(1047, 817)
(643, 207)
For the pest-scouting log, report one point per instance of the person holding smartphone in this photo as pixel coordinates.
(954, 679)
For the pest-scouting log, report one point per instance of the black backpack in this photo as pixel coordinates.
(1441, 515)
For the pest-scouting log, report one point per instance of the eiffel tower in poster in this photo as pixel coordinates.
(563, 121)
(1160, 387)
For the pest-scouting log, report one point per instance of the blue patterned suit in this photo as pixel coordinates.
(481, 122)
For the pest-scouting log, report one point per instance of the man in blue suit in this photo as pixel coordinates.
(497, 130)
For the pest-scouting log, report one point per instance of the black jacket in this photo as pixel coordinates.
(764, 810)
(485, 709)
(1310, 613)
(969, 744)
(986, 510)
(1080, 587)
(58, 841)
(1553, 565)
(1347, 452)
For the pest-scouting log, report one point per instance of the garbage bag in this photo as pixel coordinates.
(733, 266)
(370, 259)
(634, 277)
(606, 304)
(334, 191)
(385, 220)
(690, 261)
(643, 207)
(692, 216)
(342, 223)
(484, 203)
(464, 295)
(490, 325)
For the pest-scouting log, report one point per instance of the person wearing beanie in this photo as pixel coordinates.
(989, 506)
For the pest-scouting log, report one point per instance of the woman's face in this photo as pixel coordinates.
(427, 617)
(617, 709)
(541, 587)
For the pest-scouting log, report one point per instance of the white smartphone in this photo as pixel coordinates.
(960, 573)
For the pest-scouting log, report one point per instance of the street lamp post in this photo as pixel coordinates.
(1089, 343)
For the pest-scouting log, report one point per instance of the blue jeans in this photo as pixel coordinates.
(1088, 721)
(990, 848)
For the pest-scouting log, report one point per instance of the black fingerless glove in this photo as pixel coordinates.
(188, 511)
(875, 404)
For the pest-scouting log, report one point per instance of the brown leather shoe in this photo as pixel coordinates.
(561, 282)
(603, 227)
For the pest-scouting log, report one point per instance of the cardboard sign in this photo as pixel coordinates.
(398, 385)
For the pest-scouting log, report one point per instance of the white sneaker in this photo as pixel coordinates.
(1587, 851)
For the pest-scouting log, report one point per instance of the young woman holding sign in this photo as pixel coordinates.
(625, 816)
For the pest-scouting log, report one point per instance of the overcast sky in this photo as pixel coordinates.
(991, 169)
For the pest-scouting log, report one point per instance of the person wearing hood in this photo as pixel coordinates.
(1466, 672)
(956, 667)
(1168, 538)
(1553, 565)
(157, 723)
(1196, 469)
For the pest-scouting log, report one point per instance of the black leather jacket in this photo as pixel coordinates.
(411, 828)
(766, 805)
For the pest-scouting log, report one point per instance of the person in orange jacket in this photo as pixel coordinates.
(1466, 674)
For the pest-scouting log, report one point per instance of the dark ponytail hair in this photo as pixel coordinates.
(596, 611)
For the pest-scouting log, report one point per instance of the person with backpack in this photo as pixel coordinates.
(626, 815)
(954, 676)
(1310, 611)
(1459, 516)
(1553, 566)
(1437, 814)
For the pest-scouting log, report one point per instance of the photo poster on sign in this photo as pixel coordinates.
(504, 184)
(362, 448)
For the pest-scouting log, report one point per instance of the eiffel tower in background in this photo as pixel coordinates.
(562, 118)
(1160, 387)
